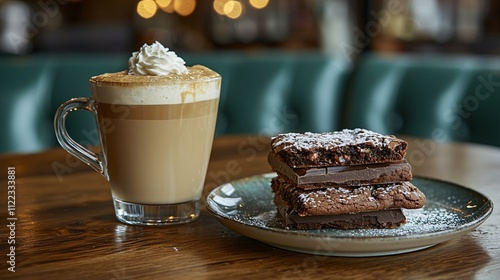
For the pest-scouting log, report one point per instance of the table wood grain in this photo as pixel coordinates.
(66, 229)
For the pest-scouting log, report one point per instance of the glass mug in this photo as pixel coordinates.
(155, 136)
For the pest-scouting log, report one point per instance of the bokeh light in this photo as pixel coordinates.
(233, 9)
(259, 4)
(219, 6)
(184, 7)
(146, 8)
(166, 5)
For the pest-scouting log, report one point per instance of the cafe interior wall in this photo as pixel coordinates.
(341, 28)
(331, 26)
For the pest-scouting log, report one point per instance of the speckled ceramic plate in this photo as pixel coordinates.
(246, 206)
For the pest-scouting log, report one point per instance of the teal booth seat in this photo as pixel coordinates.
(25, 105)
(455, 98)
(440, 97)
(479, 109)
(277, 92)
(264, 93)
(35, 86)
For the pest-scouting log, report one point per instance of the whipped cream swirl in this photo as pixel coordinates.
(155, 60)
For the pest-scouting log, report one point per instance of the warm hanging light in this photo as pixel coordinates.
(166, 5)
(219, 6)
(146, 8)
(184, 7)
(259, 4)
(233, 9)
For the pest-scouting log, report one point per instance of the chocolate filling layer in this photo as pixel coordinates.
(352, 175)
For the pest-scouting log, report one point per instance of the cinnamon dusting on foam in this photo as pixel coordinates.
(198, 84)
(123, 79)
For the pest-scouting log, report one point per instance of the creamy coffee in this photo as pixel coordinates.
(156, 123)
(157, 133)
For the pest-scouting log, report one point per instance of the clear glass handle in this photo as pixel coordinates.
(94, 160)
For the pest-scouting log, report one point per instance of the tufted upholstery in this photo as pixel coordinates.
(25, 106)
(261, 93)
(277, 92)
(445, 98)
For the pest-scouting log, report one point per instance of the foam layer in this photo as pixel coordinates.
(199, 84)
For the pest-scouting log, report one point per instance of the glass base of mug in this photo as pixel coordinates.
(156, 215)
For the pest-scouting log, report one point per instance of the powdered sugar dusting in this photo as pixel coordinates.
(343, 193)
(263, 219)
(418, 221)
(342, 200)
(332, 140)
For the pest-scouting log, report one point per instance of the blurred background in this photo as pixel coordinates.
(426, 68)
(331, 26)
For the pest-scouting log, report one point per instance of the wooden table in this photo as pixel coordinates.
(66, 228)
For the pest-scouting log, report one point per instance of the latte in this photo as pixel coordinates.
(157, 133)
(156, 124)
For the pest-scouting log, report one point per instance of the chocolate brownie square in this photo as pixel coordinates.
(344, 200)
(354, 178)
(390, 218)
(346, 147)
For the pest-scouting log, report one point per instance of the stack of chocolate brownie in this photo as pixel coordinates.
(354, 178)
